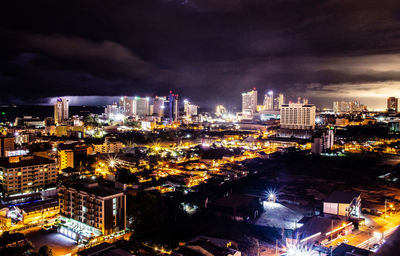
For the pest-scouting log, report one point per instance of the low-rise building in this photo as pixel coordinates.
(104, 249)
(108, 147)
(345, 204)
(208, 246)
(237, 207)
(18, 212)
(317, 230)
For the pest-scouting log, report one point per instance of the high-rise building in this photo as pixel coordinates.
(190, 109)
(88, 210)
(249, 102)
(159, 106)
(23, 174)
(323, 143)
(298, 116)
(341, 107)
(220, 110)
(112, 110)
(126, 106)
(65, 158)
(7, 143)
(392, 104)
(173, 107)
(142, 106)
(281, 100)
(61, 110)
(269, 101)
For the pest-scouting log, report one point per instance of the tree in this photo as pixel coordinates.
(45, 251)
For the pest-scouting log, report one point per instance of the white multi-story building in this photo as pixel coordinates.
(249, 102)
(108, 147)
(142, 106)
(269, 101)
(190, 109)
(22, 174)
(348, 106)
(298, 116)
(112, 110)
(281, 100)
(61, 110)
(159, 106)
(126, 106)
(220, 110)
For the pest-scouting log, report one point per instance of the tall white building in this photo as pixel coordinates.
(111, 110)
(249, 102)
(220, 110)
(348, 106)
(281, 100)
(159, 106)
(61, 110)
(298, 116)
(126, 105)
(323, 143)
(190, 109)
(142, 106)
(269, 101)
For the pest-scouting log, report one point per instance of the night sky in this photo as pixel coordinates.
(208, 51)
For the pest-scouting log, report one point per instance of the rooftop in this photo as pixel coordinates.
(104, 249)
(94, 188)
(345, 250)
(24, 161)
(235, 201)
(318, 224)
(342, 197)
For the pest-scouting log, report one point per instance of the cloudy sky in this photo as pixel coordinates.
(208, 51)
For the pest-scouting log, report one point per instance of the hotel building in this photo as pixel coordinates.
(88, 210)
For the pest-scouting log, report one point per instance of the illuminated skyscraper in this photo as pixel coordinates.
(142, 106)
(158, 106)
(126, 105)
(220, 110)
(111, 110)
(249, 102)
(190, 109)
(173, 107)
(392, 104)
(281, 100)
(341, 107)
(269, 101)
(61, 109)
(298, 116)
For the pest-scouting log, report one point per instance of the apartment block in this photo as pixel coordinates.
(88, 209)
(23, 174)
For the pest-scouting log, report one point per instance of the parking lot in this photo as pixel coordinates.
(60, 244)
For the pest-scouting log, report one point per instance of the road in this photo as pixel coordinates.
(377, 230)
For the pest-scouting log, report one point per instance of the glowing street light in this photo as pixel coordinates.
(300, 250)
(272, 197)
(111, 163)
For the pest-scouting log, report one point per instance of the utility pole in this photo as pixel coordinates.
(384, 216)
(276, 247)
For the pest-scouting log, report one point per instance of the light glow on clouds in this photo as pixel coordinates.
(86, 100)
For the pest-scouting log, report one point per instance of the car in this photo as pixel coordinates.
(374, 247)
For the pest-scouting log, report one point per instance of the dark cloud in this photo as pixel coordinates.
(201, 48)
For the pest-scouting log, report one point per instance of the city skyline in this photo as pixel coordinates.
(200, 127)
